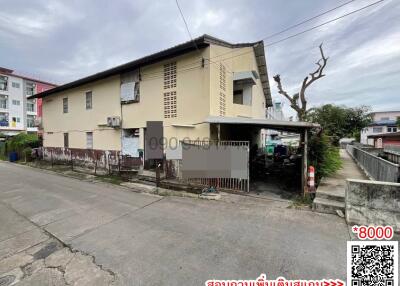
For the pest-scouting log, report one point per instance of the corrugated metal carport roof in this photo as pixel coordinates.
(263, 123)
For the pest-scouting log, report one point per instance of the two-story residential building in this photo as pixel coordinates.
(181, 86)
(205, 89)
(383, 122)
(17, 112)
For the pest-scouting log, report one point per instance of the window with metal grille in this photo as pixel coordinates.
(170, 75)
(222, 77)
(30, 121)
(222, 104)
(89, 140)
(30, 88)
(3, 82)
(170, 105)
(30, 105)
(66, 140)
(3, 101)
(65, 105)
(89, 100)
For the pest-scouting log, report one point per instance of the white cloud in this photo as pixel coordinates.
(38, 21)
(70, 39)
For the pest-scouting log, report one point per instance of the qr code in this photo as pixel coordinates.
(372, 263)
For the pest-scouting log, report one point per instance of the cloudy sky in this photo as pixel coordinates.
(62, 41)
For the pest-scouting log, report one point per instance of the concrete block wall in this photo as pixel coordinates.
(373, 203)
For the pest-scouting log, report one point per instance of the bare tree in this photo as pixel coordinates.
(301, 106)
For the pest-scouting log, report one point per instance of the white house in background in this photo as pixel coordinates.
(275, 112)
(383, 122)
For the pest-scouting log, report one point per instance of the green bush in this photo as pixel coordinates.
(22, 141)
(3, 155)
(323, 156)
(27, 152)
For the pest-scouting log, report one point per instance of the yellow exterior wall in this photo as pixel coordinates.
(198, 90)
(235, 60)
(78, 120)
(192, 98)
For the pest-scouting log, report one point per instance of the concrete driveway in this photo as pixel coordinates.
(151, 240)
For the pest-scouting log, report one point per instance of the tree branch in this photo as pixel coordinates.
(301, 107)
(293, 100)
(313, 77)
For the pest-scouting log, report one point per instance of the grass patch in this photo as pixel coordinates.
(110, 179)
(300, 201)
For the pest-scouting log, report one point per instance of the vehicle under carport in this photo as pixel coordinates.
(247, 129)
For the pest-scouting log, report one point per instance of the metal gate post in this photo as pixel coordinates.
(304, 165)
(72, 162)
(248, 168)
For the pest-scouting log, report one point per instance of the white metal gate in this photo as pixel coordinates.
(222, 164)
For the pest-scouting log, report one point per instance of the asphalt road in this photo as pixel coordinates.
(151, 240)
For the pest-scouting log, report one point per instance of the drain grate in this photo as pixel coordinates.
(7, 280)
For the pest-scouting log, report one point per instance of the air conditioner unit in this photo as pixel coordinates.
(113, 121)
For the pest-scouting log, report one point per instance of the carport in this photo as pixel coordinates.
(246, 129)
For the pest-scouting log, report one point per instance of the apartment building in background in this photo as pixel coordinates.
(185, 87)
(383, 122)
(17, 112)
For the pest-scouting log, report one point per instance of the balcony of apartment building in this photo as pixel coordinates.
(243, 92)
(30, 88)
(4, 111)
(4, 122)
(31, 123)
(3, 83)
(31, 107)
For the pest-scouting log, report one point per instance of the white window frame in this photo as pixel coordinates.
(3, 102)
(65, 104)
(15, 84)
(66, 140)
(30, 118)
(89, 140)
(30, 88)
(4, 83)
(31, 102)
(374, 129)
(89, 103)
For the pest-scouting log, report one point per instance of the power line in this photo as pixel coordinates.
(186, 25)
(325, 23)
(270, 36)
(307, 30)
(300, 23)
(190, 35)
(307, 20)
(277, 33)
(156, 75)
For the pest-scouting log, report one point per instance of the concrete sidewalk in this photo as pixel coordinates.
(151, 240)
(331, 190)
